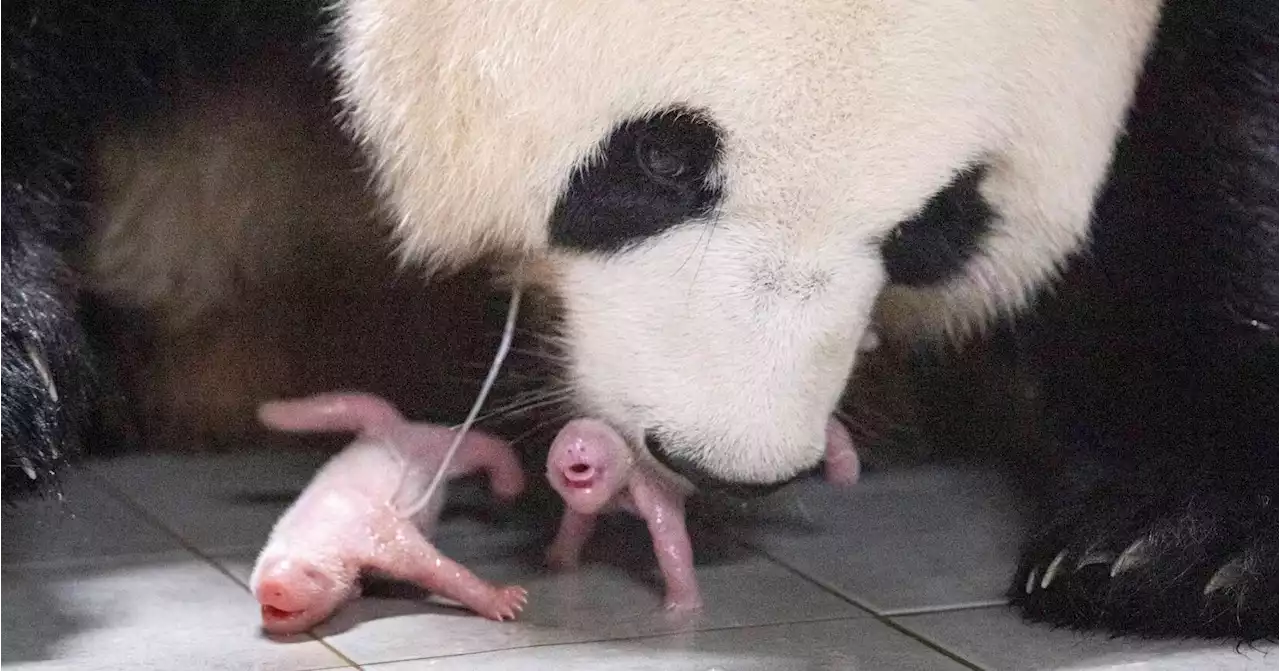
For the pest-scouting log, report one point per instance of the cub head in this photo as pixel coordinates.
(726, 195)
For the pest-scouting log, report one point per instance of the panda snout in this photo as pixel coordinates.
(703, 479)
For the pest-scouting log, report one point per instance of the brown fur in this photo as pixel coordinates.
(238, 257)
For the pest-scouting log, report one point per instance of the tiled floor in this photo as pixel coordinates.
(144, 565)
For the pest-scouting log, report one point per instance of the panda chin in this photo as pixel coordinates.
(702, 481)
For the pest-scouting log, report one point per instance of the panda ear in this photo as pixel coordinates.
(1049, 159)
(933, 246)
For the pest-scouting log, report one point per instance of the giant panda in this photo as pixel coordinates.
(726, 196)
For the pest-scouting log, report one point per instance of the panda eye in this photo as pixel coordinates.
(662, 163)
(652, 173)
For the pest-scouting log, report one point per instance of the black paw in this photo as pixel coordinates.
(47, 374)
(1144, 554)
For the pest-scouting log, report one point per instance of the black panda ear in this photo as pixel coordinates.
(934, 245)
(652, 174)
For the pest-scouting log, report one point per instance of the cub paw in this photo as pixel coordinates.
(682, 603)
(506, 603)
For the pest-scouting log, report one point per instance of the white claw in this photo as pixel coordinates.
(1095, 557)
(1031, 581)
(28, 468)
(1132, 556)
(1226, 576)
(1052, 572)
(42, 369)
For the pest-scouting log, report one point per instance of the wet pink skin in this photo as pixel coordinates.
(594, 471)
(840, 463)
(353, 518)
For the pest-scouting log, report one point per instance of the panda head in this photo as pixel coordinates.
(725, 194)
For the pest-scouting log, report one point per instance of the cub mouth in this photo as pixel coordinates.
(274, 613)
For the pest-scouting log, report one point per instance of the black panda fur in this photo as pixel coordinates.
(1158, 356)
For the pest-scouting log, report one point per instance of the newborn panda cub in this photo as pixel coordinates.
(360, 513)
(592, 469)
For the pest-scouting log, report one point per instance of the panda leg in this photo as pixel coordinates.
(46, 366)
(63, 68)
(61, 63)
(1168, 539)
(1159, 357)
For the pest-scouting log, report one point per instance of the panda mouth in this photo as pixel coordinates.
(709, 484)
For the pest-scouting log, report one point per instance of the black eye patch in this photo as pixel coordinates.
(651, 175)
(934, 245)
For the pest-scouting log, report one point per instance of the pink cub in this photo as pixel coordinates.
(355, 514)
(840, 463)
(594, 471)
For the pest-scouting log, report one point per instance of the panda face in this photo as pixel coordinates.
(728, 193)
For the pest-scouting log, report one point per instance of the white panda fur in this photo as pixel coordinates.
(840, 120)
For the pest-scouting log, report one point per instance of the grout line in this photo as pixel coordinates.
(929, 643)
(111, 490)
(882, 619)
(640, 637)
(931, 610)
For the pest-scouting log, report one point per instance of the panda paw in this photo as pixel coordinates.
(1162, 561)
(46, 364)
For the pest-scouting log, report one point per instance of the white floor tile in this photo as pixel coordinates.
(843, 644)
(95, 584)
(218, 503)
(901, 541)
(595, 602)
(84, 525)
(166, 613)
(997, 639)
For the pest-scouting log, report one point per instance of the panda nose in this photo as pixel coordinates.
(705, 480)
